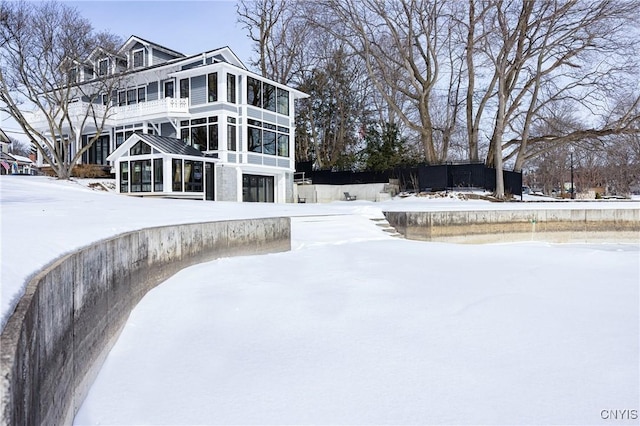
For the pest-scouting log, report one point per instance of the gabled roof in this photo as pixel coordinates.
(164, 144)
(169, 145)
(135, 39)
(99, 51)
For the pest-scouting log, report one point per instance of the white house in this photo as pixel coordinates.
(210, 116)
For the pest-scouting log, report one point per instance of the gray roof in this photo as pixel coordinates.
(170, 145)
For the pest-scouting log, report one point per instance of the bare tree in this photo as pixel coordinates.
(44, 47)
(401, 43)
(552, 53)
(281, 35)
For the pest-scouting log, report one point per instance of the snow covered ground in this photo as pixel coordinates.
(352, 326)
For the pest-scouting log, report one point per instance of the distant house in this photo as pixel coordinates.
(182, 116)
(12, 164)
(5, 142)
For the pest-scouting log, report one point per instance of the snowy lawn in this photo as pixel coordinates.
(352, 326)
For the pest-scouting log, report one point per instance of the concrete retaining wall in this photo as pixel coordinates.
(562, 225)
(327, 193)
(74, 309)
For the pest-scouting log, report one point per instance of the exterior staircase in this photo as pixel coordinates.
(386, 227)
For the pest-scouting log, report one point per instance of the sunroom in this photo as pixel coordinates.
(152, 165)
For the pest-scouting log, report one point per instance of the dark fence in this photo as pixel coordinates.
(422, 178)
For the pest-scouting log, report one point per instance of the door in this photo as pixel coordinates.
(209, 181)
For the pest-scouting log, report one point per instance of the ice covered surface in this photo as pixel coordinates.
(352, 326)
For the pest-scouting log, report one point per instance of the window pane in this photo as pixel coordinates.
(231, 137)
(199, 137)
(283, 102)
(254, 141)
(138, 59)
(146, 175)
(213, 137)
(122, 99)
(212, 83)
(283, 145)
(269, 97)
(193, 176)
(254, 95)
(231, 88)
(184, 135)
(176, 175)
(142, 94)
(131, 96)
(168, 89)
(124, 176)
(184, 88)
(269, 142)
(136, 176)
(157, 175)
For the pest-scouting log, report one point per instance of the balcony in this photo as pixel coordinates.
(119, 115)
(150, 111)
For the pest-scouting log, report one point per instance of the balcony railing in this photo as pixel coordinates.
(167, 107)
(119, 115)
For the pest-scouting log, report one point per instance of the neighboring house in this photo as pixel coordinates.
(12, 164)
(182, 116)
(5, 142)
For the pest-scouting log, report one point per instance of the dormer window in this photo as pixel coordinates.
(103, 66)
(73, 75)
(138, 58)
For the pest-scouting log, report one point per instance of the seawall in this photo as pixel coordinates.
(491, 226)
(73, 310)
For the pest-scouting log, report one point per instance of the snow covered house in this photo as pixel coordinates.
(199, 126)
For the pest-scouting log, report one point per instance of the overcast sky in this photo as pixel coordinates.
(189, 27)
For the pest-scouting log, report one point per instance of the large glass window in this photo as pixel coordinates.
(254, 92)
(231, 88)
(184, 88)
(212, 85)
(141, 176)
(140, 148)
(124, 176)
(193, 176)
(98, 151)
(267, 138)
(201, 133)
(176, 173)
(256, 188)
(158, 175)
(283, 102)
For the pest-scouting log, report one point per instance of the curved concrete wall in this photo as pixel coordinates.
(74, 309)
(584, 225)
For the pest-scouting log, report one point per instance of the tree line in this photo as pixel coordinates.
(508, 82)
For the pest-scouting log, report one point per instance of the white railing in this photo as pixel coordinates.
(118, 115)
